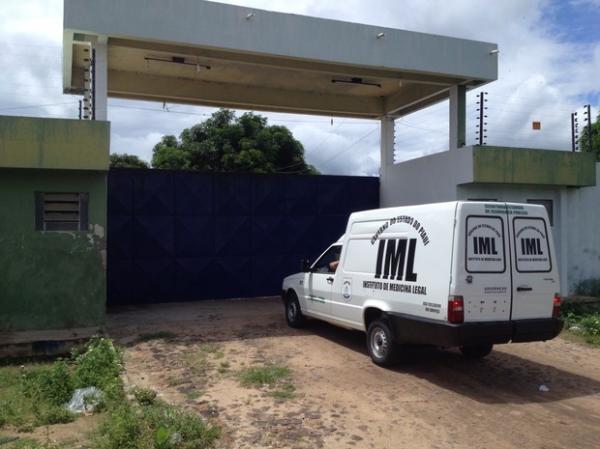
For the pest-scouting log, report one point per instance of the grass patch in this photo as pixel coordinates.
(175, 381)
(158, 426)
(276, 378)
(144, 396)
(35, 395)
(159, 335)
(223, 367)
(585, 326)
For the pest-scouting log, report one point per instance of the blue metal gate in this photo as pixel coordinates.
(180, 236)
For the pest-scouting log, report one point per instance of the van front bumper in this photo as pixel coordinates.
(412, 329)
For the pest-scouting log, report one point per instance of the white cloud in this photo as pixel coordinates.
(541, 78)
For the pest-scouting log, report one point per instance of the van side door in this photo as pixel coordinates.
(319, 282)
(483, 268)
(535, 276)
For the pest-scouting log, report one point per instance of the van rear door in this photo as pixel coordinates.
(482, 261)
(535, 277)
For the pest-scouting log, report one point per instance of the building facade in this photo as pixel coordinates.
(564, 182)
(52, 228)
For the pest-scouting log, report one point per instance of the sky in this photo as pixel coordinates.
(549, 66)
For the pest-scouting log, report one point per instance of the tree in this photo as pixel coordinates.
(226, 143)
(123, 160)
(584, 142)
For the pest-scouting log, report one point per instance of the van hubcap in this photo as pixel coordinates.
(292, 311)
(379, 342)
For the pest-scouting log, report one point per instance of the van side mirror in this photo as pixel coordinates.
(305, 265)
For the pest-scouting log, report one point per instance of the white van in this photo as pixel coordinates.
(460, 274)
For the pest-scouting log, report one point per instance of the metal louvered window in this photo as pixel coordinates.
(61, 211)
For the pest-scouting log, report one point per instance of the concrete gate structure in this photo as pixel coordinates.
(205, 53)
(212, 54)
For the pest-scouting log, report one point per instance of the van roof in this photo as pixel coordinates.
(382, 214)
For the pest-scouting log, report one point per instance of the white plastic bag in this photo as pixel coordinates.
(85, 400)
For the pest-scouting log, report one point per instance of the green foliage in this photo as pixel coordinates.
(258, 376)
(583, 141)
(35, 395)
(588, 287)
(144, 396)
(157, 426)
(122, 429)
(226, 143)
(277, 378)
(127, 161)
(582, 318)
(54, 414)
(52, 385)
(99, 365)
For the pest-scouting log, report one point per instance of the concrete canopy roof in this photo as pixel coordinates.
(204, 53)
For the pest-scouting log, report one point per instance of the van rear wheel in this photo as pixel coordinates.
(380, 343)
(293, 313)
(476, 352)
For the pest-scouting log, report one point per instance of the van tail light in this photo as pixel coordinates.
(456, 309)
(556, 302)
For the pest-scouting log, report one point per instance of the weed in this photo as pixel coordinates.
(122, 429)
(285, 391)
(159, 426)
(223, 367)
(174, 381)
(99, 366)
(144, 396)
(53, 415)
(193, 394)
(50, 385)
(160, 335)
(277, 378)
(584, 325)
(264, 375)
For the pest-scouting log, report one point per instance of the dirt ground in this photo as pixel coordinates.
(434, 399)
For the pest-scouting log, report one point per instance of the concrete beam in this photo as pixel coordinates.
(253, 31)
(273, 62)
(414, 98)
(156, 88)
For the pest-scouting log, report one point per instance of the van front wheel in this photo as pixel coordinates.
(380, 343)
(293, 312)
(476, 352)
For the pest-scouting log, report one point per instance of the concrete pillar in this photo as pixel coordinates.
(101, 87)
(387, 157)
(458, 117)
(563, 238)
(387, 143)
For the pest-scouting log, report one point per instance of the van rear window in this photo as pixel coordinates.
(484, 246)
(532, 248)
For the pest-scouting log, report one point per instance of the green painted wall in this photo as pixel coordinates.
(528, 166)
(50, 280)
(27, 142)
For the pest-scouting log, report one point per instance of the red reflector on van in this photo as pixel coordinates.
(556, 302)
(456, 309)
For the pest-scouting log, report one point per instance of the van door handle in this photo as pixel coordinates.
(330, 280)
(524, 289)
